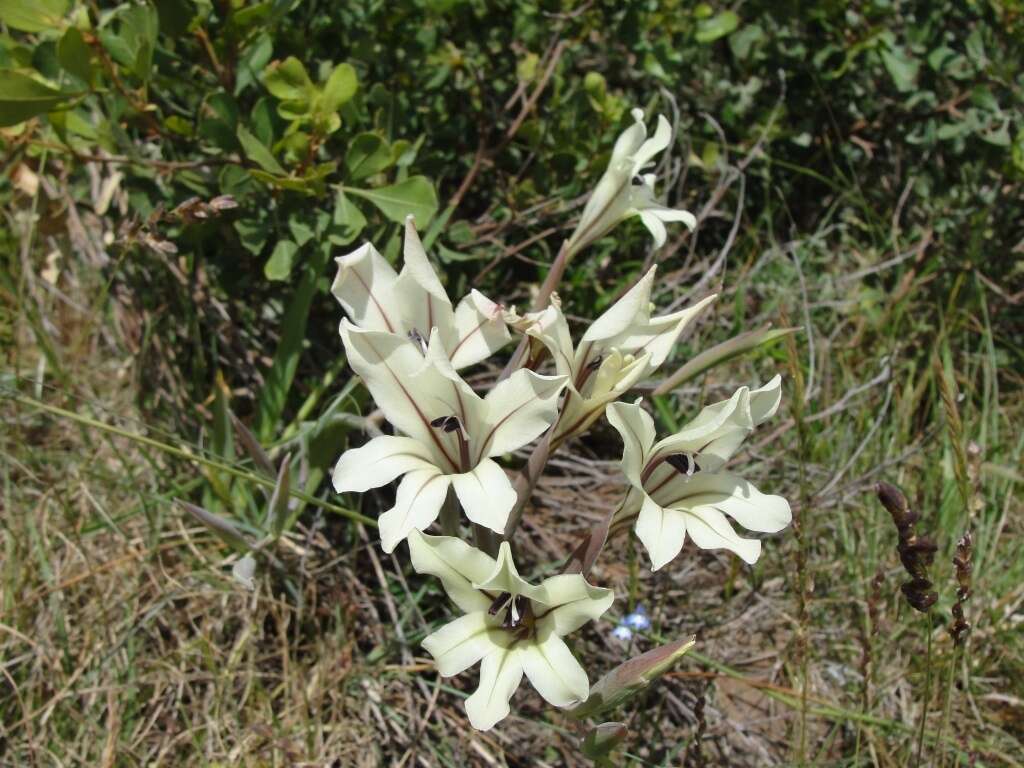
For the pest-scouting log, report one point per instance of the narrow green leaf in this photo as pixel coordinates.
(279, 378)
(225, 529)
(601, 740)
(277, 510)
(415, 195)
(252, 446)
(256, 151)
(720, 353)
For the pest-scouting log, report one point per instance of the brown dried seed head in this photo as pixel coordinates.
(895, 502)
(919, 594)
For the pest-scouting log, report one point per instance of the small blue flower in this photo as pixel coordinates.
(637, 619)
(623, 633)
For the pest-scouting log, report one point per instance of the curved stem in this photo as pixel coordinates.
(927, 692)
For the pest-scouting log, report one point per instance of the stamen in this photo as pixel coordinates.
(499, 603)
(417, 338)
(518, 608)
(447, 423)
(683, 463)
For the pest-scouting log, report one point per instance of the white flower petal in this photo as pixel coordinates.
(732, 495)
(720, 429)
(634, 306)
(654, 226)
(454, 397)
(659, 335)
(378, 463)
(764, 402)
(364, 286)
(480, 330)
(636, 428)
(505, 578)
(418, 265)
(460, 644)
(658, 142)
(554, 671)
(662, 531)
(414, 390)
(675, 214)
(709, 529)
(500, 675)
(410, 392)
(713, 421)
(419, 295)
(630, 140)
(550, 328)
(518, 410)
(417, 504)
(457, 564)
(574, 601)
(486, 494)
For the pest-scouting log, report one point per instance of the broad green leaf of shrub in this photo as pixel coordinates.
(367, 154)
(288, 80)
(279, 265)
(709, 30)
(415, 195)
(902, 68)
(340, 87)
(139, 27)
(257, 151)
(1017, 151)
(253, 59)
(22, 96)
(745, 39)
(346, 222)
(73, 55)
(33, 15)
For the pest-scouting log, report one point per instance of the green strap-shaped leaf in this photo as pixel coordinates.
(720, 353)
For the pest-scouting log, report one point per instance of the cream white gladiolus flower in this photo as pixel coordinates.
(621, 347)
(624, 191)
(413, 302)
(678, 486)
(511, 626)
(450, 433)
